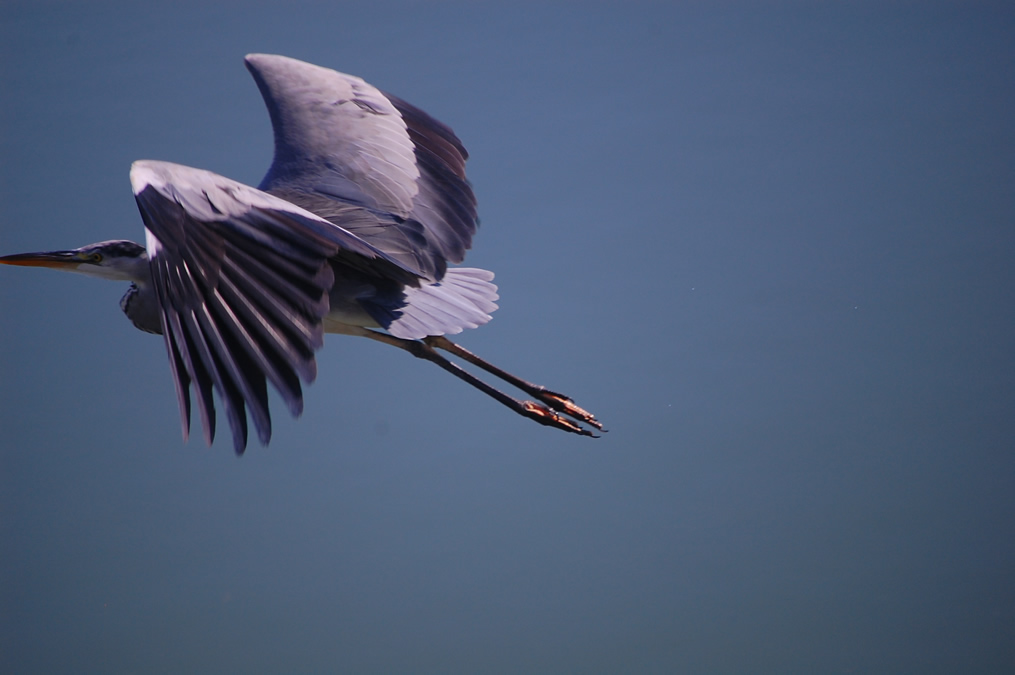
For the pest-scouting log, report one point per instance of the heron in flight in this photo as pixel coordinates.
(351, 232)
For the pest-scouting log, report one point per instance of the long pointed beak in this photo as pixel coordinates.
(61, 260)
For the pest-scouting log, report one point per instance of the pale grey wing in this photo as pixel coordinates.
(242, 280)
(338, 138)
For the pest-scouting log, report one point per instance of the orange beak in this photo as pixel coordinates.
(61, 260)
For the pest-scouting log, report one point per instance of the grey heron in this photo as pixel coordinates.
(350, 231)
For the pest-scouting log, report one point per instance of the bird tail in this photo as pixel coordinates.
(463, 298)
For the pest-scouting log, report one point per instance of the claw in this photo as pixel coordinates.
(544, 415)
(564, 404)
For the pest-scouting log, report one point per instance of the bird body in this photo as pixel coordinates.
(350, 232)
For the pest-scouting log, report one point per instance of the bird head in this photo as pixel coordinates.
(117, 260)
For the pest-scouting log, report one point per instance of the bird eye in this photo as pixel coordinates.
(95, 258)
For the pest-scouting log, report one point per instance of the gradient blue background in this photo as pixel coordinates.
(770, 244)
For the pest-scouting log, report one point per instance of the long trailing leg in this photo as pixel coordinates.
(426, 349)
(558, 402)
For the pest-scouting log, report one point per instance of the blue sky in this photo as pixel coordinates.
(769, 244)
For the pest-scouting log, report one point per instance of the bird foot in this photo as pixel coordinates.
(565, 405)
(544, 415)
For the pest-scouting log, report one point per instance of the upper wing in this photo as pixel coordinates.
(242, 280)
(338, 138)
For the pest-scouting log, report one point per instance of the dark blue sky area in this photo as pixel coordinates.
(769, 244)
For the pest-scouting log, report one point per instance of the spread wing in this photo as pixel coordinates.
(339, 140)
(242, 280)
